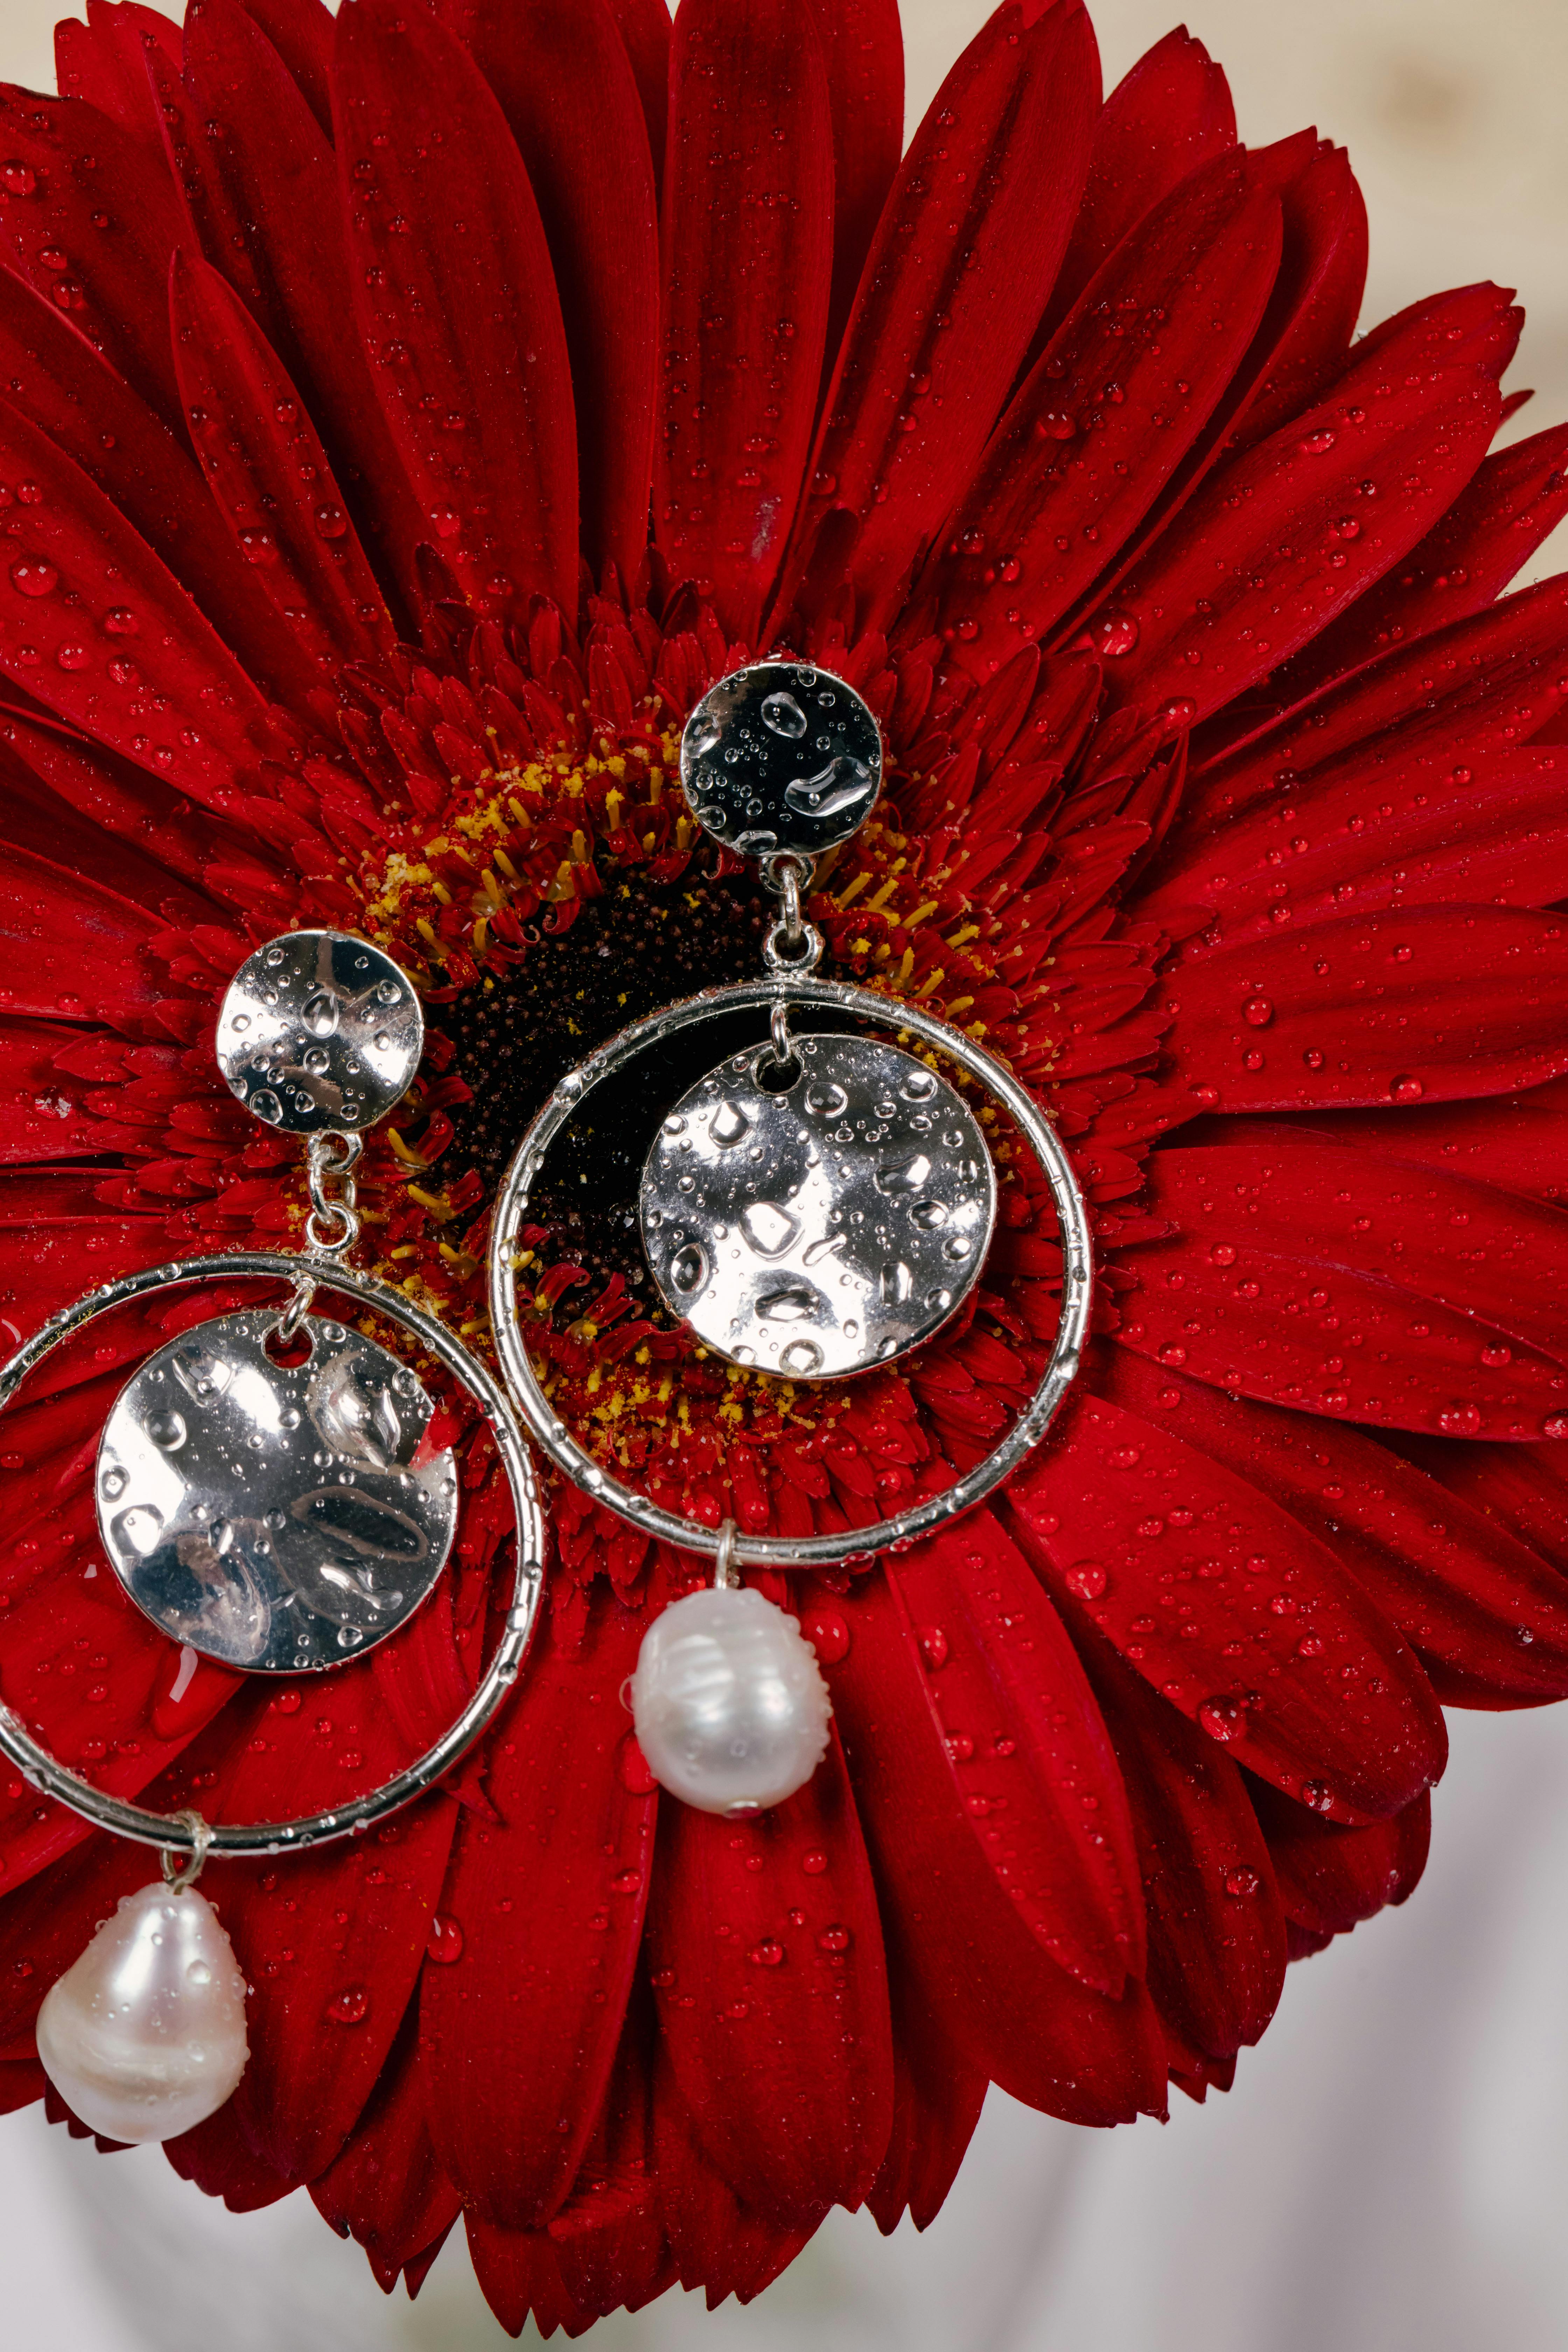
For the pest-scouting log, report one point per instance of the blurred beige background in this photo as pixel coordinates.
(1391, 2172)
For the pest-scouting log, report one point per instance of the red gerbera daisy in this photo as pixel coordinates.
(340, 368)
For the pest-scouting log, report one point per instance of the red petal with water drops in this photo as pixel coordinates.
(270, 474)
(518, 2032)
(1521, 1144)
(765, 1950)
(1489, 534)
(46, 915)
(1488, 683)
(272, 164)
(49, 1922)
(1298, 1319)
(1106, 416)
(1524, 1487)
(1282, 539)
(954, 284)
(1027, 1751)
(104, 61)
(747, 269)
(973, 1963)
(1217, 1939)
(863, 46)
(1494, 834)
(42, 1116)
(715, 2240)
(1330, 1878)
(1166, 118)
(301, 33)
(1487, 1617)
(330, 1941)
(387, 2190)
(608, 2236)
(56, 379)
(1435, 1003)
(61, 1221)
(519, 2272)
(645, 30)
(92, 624)
(1317, 298)
(937, 2097)
(1232, 1612)
(566, 87)
(219, 2159)
(456, 302)
(81, 190)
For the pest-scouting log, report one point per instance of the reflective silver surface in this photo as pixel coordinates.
(177, 1833)
(320, 1030)
(818, 1230)
(781, 756)
(279, 1519)
(834, 1547)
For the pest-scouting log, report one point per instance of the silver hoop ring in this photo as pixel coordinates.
(856, 1546)
(175, 1832)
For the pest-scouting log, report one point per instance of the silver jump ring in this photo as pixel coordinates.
(178, 1875)
(174, 1833)
(725, 1573)
(332, 1228)
(856, 1546)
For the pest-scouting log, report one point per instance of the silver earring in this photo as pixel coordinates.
(819, 1205)
(268, 1495)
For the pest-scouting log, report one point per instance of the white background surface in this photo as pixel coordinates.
(1391, 2172)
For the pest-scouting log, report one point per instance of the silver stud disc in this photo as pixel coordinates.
(782, 756)
(278, 1518)
(320, 1030)
(822, 1229)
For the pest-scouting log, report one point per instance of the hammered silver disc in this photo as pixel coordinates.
(820, 1231)
(278, 1518)
(782, 756)
(320, 1030)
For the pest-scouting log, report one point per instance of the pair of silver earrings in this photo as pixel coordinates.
(267, 1490)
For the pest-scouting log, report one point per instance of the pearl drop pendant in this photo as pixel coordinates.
(730, 1710)
(143, 2037)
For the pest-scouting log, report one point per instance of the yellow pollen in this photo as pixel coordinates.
(920, 914)
(852, 892)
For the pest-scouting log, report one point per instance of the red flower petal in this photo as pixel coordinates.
(566, 87)
(1489, 534)
(1525, 1486)
(463, 330)
(1284, 537)
(1495, 835)
(1330, 1878)
(42, 1113)
(1488, 1618)
(53, 375)
(748, 256)
(765, 1950)
(1166, 118)
(973, 1964)
(863, 46)
(1107, 416)
(645, 30)
(330, 1941)
(1028, 1753)
(92, 624)
(387, 2188)
(265, 150)
(1258, 1635)
(217, 2156)
(518, 2032)
(1217, 1939)
(957, 276)
(46, 914)
(270, 474)
(301, 33)
(1436, 1001)
(84, 171)
(715, 2241)
(938, 2094)
(105, 62)
(1317, 301)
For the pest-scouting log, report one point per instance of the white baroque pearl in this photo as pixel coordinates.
(143, 2037)
(730, 1710)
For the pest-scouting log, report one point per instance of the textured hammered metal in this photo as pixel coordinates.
(181, 1832)
(277, 1517)
(781, 756)
(320, 1030)
(853, 1545)
(819, 1230)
